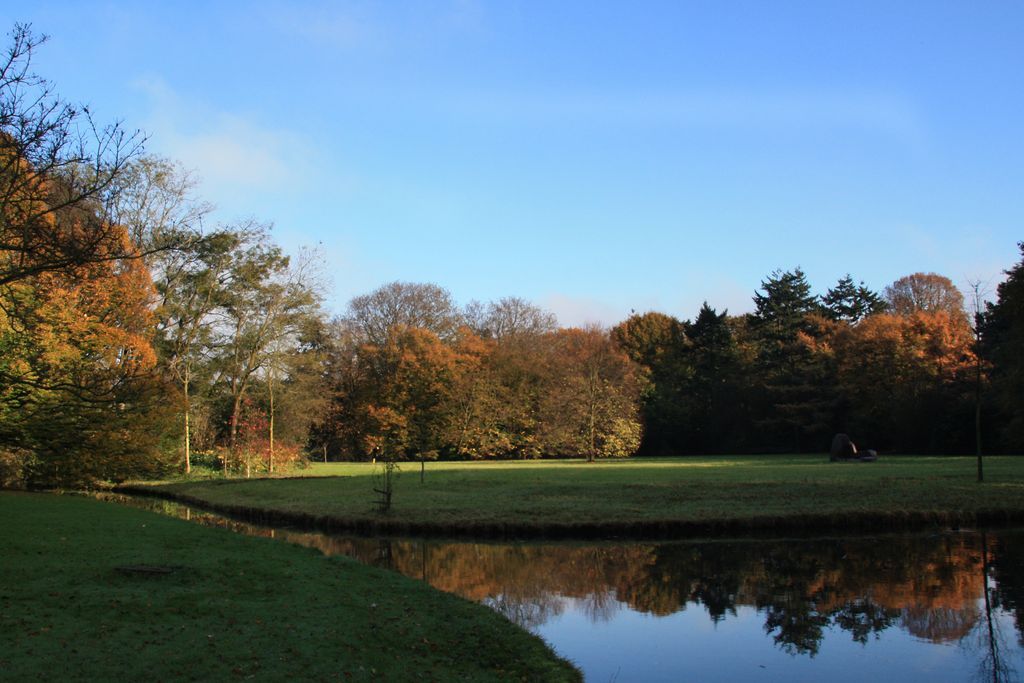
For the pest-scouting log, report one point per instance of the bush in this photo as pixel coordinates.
(15, 464)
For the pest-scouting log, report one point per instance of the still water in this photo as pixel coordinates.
(935, 607)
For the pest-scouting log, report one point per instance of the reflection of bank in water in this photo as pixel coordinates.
(929, 586)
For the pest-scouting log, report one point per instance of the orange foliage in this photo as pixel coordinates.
(76, 380)
(411, 402)
(90, 325)
(890, 350)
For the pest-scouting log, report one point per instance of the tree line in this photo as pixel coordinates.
(905, 370)
(136, 339)
(412, 376)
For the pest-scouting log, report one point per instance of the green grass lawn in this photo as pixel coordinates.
(233, 608)
(727, 490)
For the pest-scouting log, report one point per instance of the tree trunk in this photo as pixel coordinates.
(188, 409)
(977, 437)
(236, 409)
(978, 318)
(592, 421)
(977, 411)
(270, 386)
(592, 427)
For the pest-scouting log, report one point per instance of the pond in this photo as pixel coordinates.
(926, 607)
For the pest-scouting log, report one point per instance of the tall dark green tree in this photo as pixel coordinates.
(1002, 337)
(782, 310)
(796, 401)
(849, 302)
(716, 407)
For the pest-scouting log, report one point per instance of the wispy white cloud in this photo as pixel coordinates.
(234, 156)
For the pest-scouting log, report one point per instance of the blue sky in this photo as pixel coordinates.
(593, 157)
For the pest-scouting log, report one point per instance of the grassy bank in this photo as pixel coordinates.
(673, 496)
(83, 597)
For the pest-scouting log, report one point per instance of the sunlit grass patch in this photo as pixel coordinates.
(659, 494)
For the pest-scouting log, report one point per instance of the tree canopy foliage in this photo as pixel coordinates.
(928, 292)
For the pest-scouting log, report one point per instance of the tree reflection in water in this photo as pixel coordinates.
(1006, 568)
(989, 642)
(940, 588)
(536, 611)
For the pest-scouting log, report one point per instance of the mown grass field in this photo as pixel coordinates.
(231, 608)
(731, 491)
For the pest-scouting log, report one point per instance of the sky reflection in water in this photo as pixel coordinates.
(908, 608)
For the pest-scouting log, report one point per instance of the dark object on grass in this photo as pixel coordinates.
(842, 448)
(870, 455)
(146, 569)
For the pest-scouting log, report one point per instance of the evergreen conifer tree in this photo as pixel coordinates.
(796, 394)
(1002, 328)
(851, 303)
(716, 407)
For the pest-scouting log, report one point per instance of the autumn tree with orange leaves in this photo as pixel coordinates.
(415, 373)
(591, 408)
(427, 398)
(80, 397)
(926, 292)
(505, 385)
(907, 380)
(76, 362)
